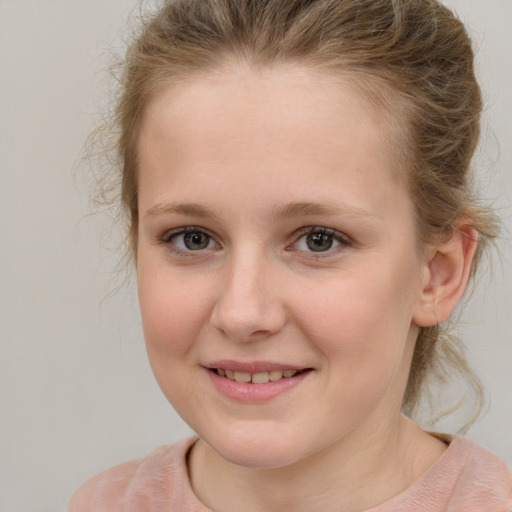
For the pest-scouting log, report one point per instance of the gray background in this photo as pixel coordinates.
(76, 392)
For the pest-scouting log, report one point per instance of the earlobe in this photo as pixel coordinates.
(447, 275)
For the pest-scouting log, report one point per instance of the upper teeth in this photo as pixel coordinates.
(257, 378)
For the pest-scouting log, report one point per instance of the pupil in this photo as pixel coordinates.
(196, 241)
(318, 242)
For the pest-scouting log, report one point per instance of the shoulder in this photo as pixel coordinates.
(466, 478)
(137, 483)
(483, 477)
(103, 491)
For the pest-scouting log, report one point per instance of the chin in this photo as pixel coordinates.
(257, 451)
(258, 458)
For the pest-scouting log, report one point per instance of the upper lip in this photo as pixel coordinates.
(252, 366)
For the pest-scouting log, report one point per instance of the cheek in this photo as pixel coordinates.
(361, 321)
(172, 312)
(362, 329)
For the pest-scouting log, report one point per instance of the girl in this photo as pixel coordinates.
(295, 173)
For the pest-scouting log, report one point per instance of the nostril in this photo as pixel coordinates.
(260, 334)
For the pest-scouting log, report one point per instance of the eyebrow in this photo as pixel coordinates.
(190, 209)
(287, 211)
(305, 209)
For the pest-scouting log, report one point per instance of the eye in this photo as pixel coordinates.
(190, 239)
(319, 239)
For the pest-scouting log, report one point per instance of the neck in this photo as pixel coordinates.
(361, 471)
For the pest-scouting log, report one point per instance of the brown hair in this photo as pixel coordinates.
(417, 49)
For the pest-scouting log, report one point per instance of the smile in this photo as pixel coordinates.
(256, 381)
(256, 378)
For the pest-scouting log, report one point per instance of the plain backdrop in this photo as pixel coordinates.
(76, 391)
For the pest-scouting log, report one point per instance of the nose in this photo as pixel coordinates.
(248, 306)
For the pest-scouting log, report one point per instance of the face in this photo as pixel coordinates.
(278, 271)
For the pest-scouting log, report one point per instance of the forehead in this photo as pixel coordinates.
(270, 98)
(246, 122)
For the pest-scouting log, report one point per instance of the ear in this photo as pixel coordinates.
(447, 272)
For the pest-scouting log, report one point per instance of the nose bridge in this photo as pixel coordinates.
(248, 306)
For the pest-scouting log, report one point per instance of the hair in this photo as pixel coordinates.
(413, 57)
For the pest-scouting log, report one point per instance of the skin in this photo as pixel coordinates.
(241, 146)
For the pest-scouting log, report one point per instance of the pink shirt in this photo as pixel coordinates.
(467, 478)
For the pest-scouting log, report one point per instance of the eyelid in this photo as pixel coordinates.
(167, 237)
(168, 234)
(345, 241)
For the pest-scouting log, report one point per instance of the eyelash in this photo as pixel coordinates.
(168, 237)
(343, 241)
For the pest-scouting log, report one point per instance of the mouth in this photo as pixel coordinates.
(256, 381)
(261, 377)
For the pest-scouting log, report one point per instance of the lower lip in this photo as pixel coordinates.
(247, 392)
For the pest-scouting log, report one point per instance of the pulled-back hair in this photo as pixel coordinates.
(413, 57)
